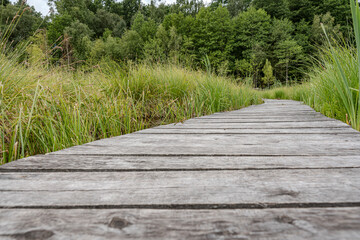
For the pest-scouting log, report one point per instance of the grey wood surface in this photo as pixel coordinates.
(260, 187)
(265, 224)
(278, 170)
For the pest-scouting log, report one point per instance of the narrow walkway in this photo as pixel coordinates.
(278, 170)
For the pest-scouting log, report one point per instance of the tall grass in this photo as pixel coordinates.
(327, 90)
(333, 88)
(46, 110)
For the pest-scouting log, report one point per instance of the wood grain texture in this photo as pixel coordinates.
(269, 224)
(278, 170)
(180, 130)
(188, 187)
(278, 125)
(138, 163)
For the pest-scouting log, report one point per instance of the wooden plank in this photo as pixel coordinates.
(264, 120)
(261, 116)
(278, 125)
(228, 149)
(215, 139)
(166, 163)
(220, 144)
(181, 130)
(136, 189)
(312, 223)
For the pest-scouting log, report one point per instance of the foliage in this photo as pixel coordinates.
(45, 110)
(268, 78)
(236, 35)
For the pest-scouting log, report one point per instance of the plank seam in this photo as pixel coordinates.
(245, 133)
(198, 206)
(5, 170)
(197, 155)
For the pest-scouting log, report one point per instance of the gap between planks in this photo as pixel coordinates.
(197, 206)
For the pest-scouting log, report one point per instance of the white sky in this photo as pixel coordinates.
(41, 5)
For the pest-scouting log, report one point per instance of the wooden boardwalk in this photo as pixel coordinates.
(278, 170)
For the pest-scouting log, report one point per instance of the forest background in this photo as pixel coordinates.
(261, 42)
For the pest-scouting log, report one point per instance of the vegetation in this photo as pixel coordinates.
(235, 36)
(45, 110)
(333, 88)
(100, 68)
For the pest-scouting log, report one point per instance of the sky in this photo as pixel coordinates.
(40, 5)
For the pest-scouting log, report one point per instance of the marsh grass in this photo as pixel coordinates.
(333, 88)
(45, 110)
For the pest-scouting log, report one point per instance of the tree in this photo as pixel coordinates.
(268, 78)
(251, 37)
(5, 2)
(80, 35)
(188, 7)
(23, 19)
(250, 28)
(317, 33)
(132, 45)
(146, 29)
(104, 20)
(302, 9)
(212, 35)
(244, 67)
(288, 52)
(57, 26)
(130, 8)
(156, 10)
(236, 6)
(275, 8)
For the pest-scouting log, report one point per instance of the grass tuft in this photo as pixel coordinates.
(45, 110)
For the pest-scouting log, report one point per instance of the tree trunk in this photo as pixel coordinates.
(287, 72)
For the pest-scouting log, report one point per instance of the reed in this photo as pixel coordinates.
(45, 110)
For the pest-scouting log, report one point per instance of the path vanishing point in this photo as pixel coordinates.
(278, 170)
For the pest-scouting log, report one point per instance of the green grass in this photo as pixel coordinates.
(333, 88)
(327, 90)
(45, 110)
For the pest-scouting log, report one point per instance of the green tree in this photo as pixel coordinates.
(5, 2)
(130, 8)
(80, 35)
(268, 78)
(236, 6)
(104, 20)
(188, 7)
(212, 35)
(25, 21)
(131, 45)
(250, 28)
(57, 26)
(251, 35)
(146, 29)
(275, 8)
(288, 53)
(317, 33)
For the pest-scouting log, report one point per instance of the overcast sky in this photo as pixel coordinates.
(40, 5)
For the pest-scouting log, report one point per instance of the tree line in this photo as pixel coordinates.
(265, 41)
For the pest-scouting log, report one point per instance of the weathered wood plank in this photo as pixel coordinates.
(279, 120)
(166, 163)
(260, 116)
(317, 124)
(202, 149)
(312, 223)
(220, 144)
(213, 139)
(256, 187)
(181, 130)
